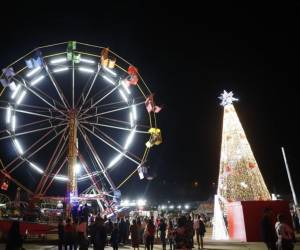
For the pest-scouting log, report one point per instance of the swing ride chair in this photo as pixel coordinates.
(79, 122)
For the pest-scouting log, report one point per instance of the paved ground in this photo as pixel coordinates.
(210, 245)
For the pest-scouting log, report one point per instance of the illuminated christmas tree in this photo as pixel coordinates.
(239, 178)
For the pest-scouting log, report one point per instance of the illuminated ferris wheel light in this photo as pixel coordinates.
(35, 167)
(131, 119)
(134, 112)
(115, 160)
(16, 91)
(58, 60)
(87, 70)
(60, 69)
(61, 178)
(8, 114)
(125, 87)
(18, 146)
(110, 71)
(87, 60)
(129, 139)
(109, 80)
(123, 95)
(35, 81)
(13, 123)
(32, 72)
(21, 97)
(77, 168)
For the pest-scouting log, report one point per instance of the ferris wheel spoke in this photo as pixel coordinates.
(53, 177)
(117, 122)
(30, 107)
(114, 104)
(100, 100)
(27, 125)
(36, 151)
(110, 111)
(41, 185)
(91, 175)
(58, 89)
(32, 146)
(114, 142)
(19, 184)
(90, 88)
(110, 145)
(97, 158)
(34, 113)
(38, 92)
(39, 95)
(30, 132)
(115, 127)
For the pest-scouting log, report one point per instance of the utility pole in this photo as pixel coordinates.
(290, 179)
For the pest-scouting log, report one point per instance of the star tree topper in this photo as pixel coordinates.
(227, 98)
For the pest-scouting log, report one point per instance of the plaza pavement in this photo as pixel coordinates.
(208, 244)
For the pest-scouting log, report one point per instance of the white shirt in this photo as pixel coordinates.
(283, 231)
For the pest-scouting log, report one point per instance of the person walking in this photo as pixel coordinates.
(285, 234)
(267, 229)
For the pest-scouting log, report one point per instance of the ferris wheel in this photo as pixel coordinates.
(78, 120)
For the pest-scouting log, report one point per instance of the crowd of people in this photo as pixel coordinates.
(99, 232)
(81, 231)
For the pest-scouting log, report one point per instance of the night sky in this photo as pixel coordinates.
(188, 55)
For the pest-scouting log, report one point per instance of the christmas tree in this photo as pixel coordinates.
(239, 177)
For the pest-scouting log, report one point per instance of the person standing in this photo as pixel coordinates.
(181, 234)
(201, 232)
(82, 234)
(171, 234)
(14, 239)
(267, 229)
(285, 234)
(69, 232)
(122, 231)
(127, 231)
(162, 229)
(114, 238)
(150, 234)
(60, 229)
(296, 222)
(99, 235)
(134, 232)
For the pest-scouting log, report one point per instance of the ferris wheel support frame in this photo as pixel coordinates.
(72, 158)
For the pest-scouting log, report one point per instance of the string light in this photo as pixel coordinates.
(240, 178)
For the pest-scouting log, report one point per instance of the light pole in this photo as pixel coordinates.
(290, 180)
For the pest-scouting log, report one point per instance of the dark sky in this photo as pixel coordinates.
(188, 54)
